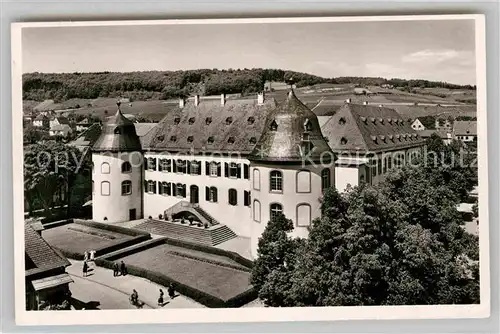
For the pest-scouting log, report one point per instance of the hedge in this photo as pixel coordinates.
(112, 228)
(161, 279)
(58, 223)
(212, 250)
(71, 255)
(133, 249)
(218, 263)
(127, 243)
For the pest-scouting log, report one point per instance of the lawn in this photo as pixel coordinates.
(78, 238)
(216, 280)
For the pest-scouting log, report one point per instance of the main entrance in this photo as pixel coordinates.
(132, 214)
(194, 196)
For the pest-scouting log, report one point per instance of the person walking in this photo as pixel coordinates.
(123, 269)
(171, 291)
(160, 299)
(85, 268)
(116, 269)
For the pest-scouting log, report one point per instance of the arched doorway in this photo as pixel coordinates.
(194, 196)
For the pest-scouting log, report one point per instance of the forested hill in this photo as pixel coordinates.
(169, 84)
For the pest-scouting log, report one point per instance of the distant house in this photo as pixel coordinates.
(41, 121)
(465, 131)
(417, 125)
(83, 125)
(59, 120)
(47, 282)
(443, 125)
(364, 91)
(446, 136)
(62, 130)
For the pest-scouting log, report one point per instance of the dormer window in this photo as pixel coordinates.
(343, 141)
(373, 120)
(307, 125)
(341, 120)
(381, 120)
(161, 137)
(173, 138)
(229, 120)
(253, 140)
(391, 137)
(363, 119)
(191, 120)
(177, 120)
(231, 140)
(389, 120)
(210, 140)
(273, 126)
(208, 120)
(190, 139)
(117, 131)
(251, 120)
(374, 138)
(383, 138)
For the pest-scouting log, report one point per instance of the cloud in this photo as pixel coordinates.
(463, 58)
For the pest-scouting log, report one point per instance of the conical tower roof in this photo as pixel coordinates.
(291, 134)
(118, 135)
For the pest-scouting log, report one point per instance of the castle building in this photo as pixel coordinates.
(238, 163)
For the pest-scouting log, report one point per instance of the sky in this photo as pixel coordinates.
(441, 50)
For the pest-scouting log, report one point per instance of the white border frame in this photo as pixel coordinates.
(24, 317)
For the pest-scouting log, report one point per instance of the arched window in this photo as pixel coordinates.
(276, 181)
(233, 197)
(151, 187)
(126, 167)
(303, 214)
(275, 210)
(325, 179)
(211, 194)
(303, 181)
(105, 188)
(105, 168)
(165, 188)
(362, 178)
(126, 187)
(256, 179)
(256, 211)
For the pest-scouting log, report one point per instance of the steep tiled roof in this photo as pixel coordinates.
(210, 127)
(42, 256)
(61, 127)
(369, 128)
(62, 120)
(118, 135)
(465, 128)
(427, 133)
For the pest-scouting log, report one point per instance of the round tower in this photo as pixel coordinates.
(290, 167)
(117, 172)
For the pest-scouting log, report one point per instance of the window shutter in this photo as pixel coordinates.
(238, 171)
(207, 168)
(246, 171)
(207, 194)
(174, 189)
(154, 164)
(160, 165)
(219, 172)
(145, 186)
(154, 187)
(215, 195)
(226, 169)
(199, 167)
(184, 190)
(160, 187)
(188, 167)
(174, 162)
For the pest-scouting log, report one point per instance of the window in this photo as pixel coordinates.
(303, 214)
(362, 178)
(208, 120)
(233, 197)
(195, 168)
(230, 140)
(126, 187)
(190, 139)
(251, 120)
(389, 162)
(325, 179)
(253, 140)
(105, 168)
(117, 131)
(246, 171)
(229, 120)
(179, 190)
(173, 138)
(210, 140)
(212, 168)
(177, 120)
(232, 170)
(307, 125)
(246, 198)
(273, 126)
(211, 194)
(385, 165)
(165, 188)
(256, 179)
(126, 167)
(256, 211)
(180, 166)
(191, 120)
(105, 188)
(151, 187)
(152, 164)
(276, 209)
(165, 165)
(343, 141)
(379, 166)
(341, 120)
(303, 181)
(276, 181)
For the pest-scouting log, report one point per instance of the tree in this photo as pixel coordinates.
(51, 167)
(274, 265)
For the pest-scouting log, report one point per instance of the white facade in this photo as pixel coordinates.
(117, 195)
(235, 215)
(299, 197)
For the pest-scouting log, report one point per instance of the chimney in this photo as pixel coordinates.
(365, 103)
(380, 106)
(348, 100)
(260, 98)
(182, 102)
(196, 100)
(222, 99)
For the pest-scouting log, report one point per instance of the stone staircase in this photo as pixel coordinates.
(195, 209)
(211, 236)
